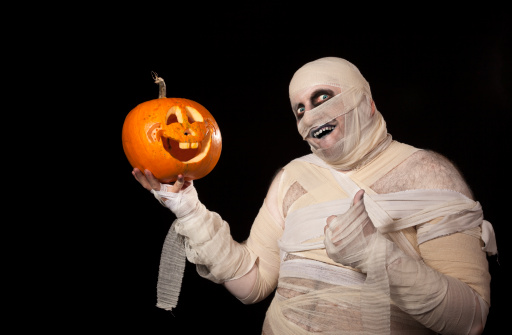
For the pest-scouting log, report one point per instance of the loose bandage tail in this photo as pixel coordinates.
(172, 266)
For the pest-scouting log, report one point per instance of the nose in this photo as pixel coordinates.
(309, 106)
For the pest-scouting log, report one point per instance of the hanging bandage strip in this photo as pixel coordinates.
(170, 274)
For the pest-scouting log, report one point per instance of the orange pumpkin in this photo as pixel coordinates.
(171, 136)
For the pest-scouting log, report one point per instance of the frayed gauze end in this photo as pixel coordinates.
(172, 267)
(489, 238)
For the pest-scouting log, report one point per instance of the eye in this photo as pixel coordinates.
(321, 97)
(301, 110)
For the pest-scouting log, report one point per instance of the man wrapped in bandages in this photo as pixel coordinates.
(365, 235)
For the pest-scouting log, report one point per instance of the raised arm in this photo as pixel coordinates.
(248, 270)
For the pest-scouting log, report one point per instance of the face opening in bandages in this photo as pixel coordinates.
(350, 115)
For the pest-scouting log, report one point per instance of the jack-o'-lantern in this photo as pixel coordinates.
(171, 136)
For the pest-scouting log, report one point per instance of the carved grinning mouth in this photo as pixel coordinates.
(322, 131)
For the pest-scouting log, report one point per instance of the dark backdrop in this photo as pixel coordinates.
(441, 80)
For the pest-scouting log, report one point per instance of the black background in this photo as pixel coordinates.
(441, 79)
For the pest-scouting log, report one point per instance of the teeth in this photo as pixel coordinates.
(321, 130)
(186, 145)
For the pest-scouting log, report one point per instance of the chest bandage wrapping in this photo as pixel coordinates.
(308, 298)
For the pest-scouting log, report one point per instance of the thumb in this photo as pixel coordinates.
(358, 197)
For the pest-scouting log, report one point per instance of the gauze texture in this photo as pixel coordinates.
(365, 132)
(170, 273)
(209, 245)
(414, 287)
(316, 294)
(172, 259)
(182, 203)
(348, 236)
(203, 238)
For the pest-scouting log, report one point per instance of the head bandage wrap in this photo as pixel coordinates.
(365, 135)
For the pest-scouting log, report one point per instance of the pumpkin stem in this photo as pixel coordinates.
(161, 85)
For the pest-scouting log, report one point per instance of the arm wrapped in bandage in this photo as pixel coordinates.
(207, 238)
(438, 301)
(209, 245)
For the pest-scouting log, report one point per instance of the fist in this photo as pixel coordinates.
(348, 235)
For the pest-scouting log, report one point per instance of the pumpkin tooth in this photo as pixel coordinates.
(194, 145)
(184, 145)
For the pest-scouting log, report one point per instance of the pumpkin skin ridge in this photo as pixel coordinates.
(153, 156)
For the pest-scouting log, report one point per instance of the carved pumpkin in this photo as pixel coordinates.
(171, 136)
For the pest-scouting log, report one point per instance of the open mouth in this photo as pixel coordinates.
(184, 136)
(322, 131)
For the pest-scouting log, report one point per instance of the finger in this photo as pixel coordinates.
(358, 197)
(141, 179)
(178, 184)
(155, 183)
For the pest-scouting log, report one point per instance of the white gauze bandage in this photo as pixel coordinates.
(182, 203)
(365, 132)
(206, 241)
(207, 238)
(441, 303)
(209, 245)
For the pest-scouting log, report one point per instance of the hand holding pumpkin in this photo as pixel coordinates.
(180, 197)
(150, 182)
